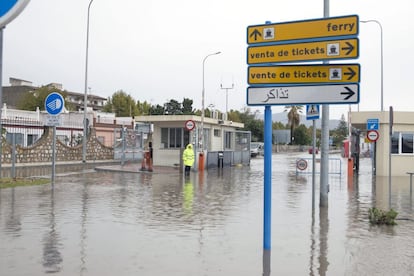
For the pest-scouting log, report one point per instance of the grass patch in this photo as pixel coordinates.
(377, 216)
(17, 182)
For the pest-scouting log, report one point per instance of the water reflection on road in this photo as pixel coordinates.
(102, 223)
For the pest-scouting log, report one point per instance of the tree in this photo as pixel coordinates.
(122, 104)
(234, 115)
(318, 135)
(256, 127)
(278, 125)
(30, 101)
(157, 110)
(143, 108)
(293, 118)
(340, 132)
(187, 107)
(302, 136)
(173, 107)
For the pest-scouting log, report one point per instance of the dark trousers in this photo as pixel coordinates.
(187, 170)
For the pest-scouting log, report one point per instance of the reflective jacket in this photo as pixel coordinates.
(188, 156)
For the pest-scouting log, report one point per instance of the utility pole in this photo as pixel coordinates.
(227, 95)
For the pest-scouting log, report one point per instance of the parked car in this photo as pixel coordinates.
(310, 150)
(256, 148)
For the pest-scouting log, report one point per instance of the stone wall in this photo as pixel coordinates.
(42, 150)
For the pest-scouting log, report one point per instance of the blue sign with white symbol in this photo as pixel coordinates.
(6, 5)
(9, 9)
(312, 111)
(54, 103)
(372, 124)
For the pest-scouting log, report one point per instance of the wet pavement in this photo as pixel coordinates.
(118, 220)
(137, 168)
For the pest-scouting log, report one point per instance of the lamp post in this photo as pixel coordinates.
(382, 59)
(85, 99)
(202, 103)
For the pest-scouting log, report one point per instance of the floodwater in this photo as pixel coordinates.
(106, 223)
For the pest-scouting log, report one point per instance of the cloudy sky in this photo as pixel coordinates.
(154, 50)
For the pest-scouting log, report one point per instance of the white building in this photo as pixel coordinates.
(170, 136)
(402, 137)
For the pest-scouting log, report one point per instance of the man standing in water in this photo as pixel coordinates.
(188, 159)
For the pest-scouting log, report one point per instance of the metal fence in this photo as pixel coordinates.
(304, 166)
(220, 159)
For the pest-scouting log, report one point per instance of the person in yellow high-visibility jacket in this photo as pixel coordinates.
(188, 158)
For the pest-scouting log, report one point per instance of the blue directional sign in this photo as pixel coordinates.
(372, 124)
(54, 103)
(9, 9)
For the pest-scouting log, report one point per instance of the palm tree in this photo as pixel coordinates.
(293, 118)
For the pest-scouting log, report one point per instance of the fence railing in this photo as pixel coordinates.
(304, 166)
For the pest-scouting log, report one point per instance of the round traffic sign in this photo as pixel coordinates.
(54, 103)
(372, 135)
(9, 9)
(301, 164)
(189, 125)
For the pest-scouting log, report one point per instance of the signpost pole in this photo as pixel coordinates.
(196, 146)
(313, 163)
(267, 218)
(1, 95)
(54, 104)
(8, 11)
(54, 156)
(324, 186)
(391, 119)
(312, 113)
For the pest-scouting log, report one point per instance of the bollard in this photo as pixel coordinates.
(350, 171)
(149, 161)
(143, 168)
(201, 162)
(220, 160)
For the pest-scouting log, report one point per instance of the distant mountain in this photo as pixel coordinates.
(282, 117)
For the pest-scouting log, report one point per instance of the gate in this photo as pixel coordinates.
(128, 145)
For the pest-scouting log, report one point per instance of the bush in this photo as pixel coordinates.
(377, 216)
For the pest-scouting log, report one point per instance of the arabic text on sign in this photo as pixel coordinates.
(277, 93)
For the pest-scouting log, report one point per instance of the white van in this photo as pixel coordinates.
(256, 148)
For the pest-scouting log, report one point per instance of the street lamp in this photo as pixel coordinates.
(382, 60)
(202, 103)
(85, 99)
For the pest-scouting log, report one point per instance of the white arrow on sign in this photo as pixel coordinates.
(304, 94)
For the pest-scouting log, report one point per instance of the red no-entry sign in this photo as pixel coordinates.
(372, 135)
(189, 125)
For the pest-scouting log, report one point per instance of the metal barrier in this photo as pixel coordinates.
(220, 159)
(304, 166)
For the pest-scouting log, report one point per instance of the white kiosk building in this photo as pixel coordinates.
(401, 143)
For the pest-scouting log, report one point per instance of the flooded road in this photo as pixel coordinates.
(106, 223)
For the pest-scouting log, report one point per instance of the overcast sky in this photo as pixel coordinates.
(153, 50)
